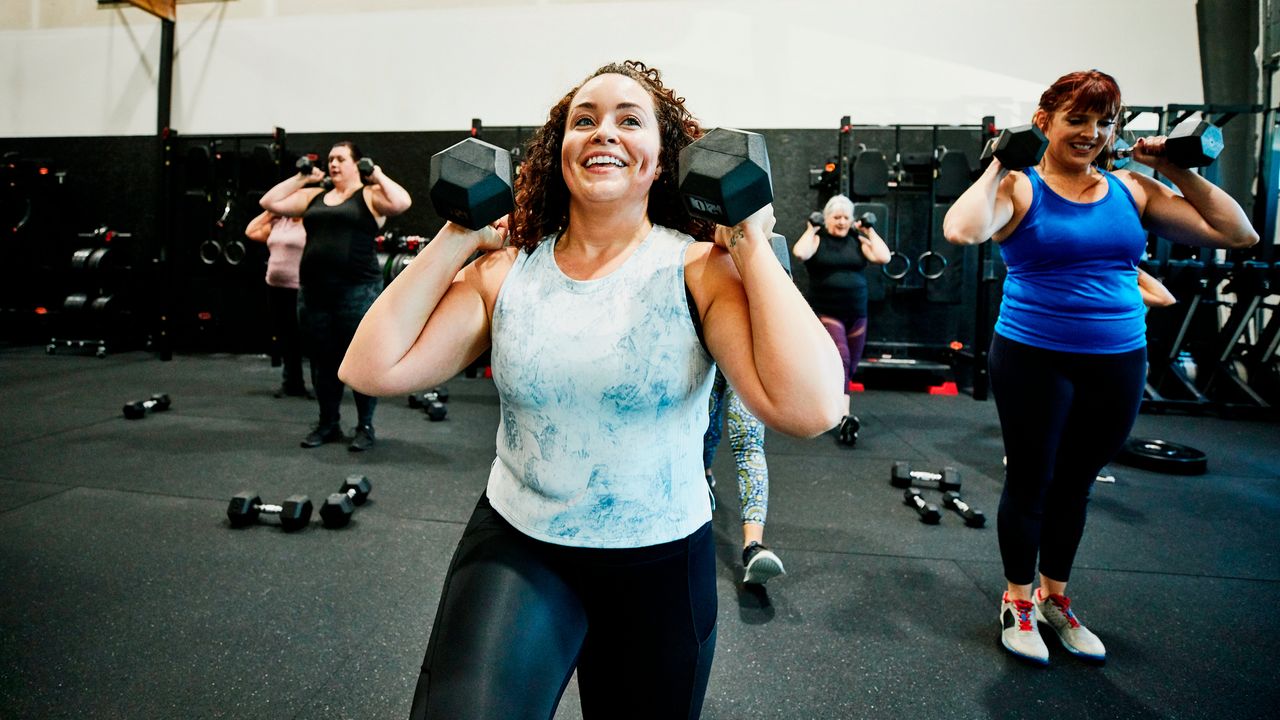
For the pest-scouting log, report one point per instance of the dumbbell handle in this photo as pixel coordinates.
(928, 512)
(269, 508)
(1127, 152)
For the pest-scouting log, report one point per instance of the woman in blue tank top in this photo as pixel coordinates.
(1068, 357)
(591, 548)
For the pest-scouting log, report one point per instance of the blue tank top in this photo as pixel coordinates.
(603, 387)
(1073, 281)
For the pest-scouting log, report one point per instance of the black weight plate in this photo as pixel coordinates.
(1163, 457)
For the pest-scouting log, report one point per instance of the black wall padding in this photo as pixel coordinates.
(953, 175)
(870, 175)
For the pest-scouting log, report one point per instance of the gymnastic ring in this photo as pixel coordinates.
(233, 252)
(897, 267)
(210, 251)
(933, 258)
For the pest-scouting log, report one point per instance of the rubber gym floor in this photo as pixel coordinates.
(126, 593)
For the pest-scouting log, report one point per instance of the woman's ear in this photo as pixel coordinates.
(1040, 119)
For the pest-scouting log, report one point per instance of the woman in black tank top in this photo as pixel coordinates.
(835, 258)
(339, 276)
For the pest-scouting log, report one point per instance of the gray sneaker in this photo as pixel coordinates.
(1055, 611)
(760, 564)
(1018, 633)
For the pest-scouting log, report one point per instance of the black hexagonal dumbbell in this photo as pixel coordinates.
(951, 500)
(470, 183)
(724, 176)
(1017, 147)
(338, 507)
(432, 402)
(903, 476)
(138, 408)
(1189, 145)
(247, 507)
(928, 511)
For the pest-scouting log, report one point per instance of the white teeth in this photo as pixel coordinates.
(604, 160)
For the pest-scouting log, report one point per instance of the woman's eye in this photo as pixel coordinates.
(631, 120)
(583, 121)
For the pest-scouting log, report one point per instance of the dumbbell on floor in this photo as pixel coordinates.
(338, 507)
(432, 402)
(247, 507)
(973, 518)
(138, 408)
(928, 511)
(903, 476)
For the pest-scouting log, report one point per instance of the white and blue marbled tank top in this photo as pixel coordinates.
(603, 386)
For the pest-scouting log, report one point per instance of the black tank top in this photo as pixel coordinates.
(837, 286)
(341, 248)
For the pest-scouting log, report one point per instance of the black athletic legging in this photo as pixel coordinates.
(1064, 415)
(518, 615)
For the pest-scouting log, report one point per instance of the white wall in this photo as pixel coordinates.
(69, 68)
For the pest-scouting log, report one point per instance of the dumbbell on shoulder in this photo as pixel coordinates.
(338, 507)
(928, 511)
(973, 518)
(138, 408)
(1189, 145)
(1017, 148)
(247, 507)
(903, 476)
(470, 183)
(724, 176)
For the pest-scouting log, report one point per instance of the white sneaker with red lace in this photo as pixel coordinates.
(1055, 611)
(1018, 633)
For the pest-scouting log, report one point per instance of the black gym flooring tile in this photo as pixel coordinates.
(127, 595)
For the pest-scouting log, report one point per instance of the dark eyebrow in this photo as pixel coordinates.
(621, 106)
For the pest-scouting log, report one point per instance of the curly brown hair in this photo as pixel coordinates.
(542, 199)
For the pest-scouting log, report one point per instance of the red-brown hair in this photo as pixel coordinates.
(1083, 91)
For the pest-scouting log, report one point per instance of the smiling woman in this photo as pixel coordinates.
(1068, 357)
(589, 551)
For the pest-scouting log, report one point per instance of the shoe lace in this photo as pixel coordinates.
(1063, 603)
(1023, 609)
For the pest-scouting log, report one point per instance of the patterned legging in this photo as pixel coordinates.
(746, 437)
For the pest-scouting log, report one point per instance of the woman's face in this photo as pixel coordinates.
(838, 221)
(611, 141)
(1076, 137)
(341, 166)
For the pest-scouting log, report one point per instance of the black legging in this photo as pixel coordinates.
(517, 615)
(328, 318)
(1064, 415)
(284, 325)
